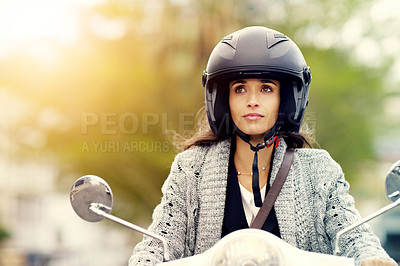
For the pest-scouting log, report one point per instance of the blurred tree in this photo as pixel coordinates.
(4, 234)
(343, 101)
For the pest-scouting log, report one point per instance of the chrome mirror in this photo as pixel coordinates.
(393, 193)
(92, 199)
(87, 191)
(393, 182)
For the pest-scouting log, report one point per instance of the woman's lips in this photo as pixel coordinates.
(253, 116)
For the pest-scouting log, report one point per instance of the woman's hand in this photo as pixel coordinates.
(378, 262)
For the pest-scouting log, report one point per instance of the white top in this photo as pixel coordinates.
(250, 209)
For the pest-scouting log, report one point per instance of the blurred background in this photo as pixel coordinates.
(101, 87)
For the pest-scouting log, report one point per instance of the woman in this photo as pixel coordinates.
(257, 84)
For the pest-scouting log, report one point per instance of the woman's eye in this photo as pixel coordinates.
(239, 89)
(266, 89)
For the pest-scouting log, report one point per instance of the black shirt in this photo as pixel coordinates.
(234, 216)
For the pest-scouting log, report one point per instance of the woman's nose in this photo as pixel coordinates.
(253, 100)
(252, 104)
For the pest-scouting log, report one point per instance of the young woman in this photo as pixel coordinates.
(257, 84)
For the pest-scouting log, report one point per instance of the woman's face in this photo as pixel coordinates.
(254, 104)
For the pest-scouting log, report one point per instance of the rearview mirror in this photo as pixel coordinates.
(92, 199)
(393, 182)
(88, 190)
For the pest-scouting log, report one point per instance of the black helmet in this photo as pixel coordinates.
(256, 52)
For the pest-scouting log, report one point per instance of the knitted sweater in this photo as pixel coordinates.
(311, 208)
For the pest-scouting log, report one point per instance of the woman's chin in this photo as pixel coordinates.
(254, 131)
(255, 128)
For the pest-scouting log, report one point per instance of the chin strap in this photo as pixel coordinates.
(269, 139)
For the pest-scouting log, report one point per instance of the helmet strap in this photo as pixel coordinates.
(269, 139)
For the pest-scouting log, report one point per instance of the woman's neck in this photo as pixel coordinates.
(244, 156)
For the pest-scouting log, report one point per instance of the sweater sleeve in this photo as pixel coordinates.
(169, 221)
(360, 243)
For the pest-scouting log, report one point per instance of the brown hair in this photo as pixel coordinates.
(204, 136)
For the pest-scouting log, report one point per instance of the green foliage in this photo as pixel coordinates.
(345, 99)
(4, 234)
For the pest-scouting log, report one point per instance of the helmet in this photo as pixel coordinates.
(256, 52)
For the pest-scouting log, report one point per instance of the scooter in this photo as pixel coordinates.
(92, 200)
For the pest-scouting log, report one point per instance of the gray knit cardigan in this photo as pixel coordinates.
(311, 208)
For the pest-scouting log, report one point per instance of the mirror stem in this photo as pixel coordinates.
(366, 219)
(97, 209)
